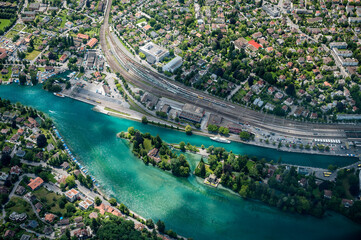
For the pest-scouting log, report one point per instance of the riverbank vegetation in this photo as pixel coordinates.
(152, 150)
(288, 188)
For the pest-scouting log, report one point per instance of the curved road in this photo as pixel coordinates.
(157, 84)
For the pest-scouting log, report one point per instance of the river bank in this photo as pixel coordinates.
(126, 113)
(153, 193)
(137, 116)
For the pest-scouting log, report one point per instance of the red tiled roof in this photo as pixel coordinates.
(255, 44)
(83, 36)
(35, 183)
(92, 42)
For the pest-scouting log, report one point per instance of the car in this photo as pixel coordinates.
(359, 165)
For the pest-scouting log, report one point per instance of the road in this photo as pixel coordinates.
(157, 84)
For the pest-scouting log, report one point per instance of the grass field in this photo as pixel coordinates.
(4, 23)
(239, 95)
(250, 165)
(32, 55)
(63, 15)
(6, 77)
(147, 144)
(51, 199)
(19, 27)
(141, 20)
(20, 206)
(11, 34)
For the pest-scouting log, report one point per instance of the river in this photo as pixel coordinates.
(185, 205)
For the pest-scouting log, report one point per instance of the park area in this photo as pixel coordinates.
(4, 23)
(32, 55)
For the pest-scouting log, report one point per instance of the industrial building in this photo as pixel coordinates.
(192, 113)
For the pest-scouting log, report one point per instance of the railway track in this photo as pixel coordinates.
(157, 84)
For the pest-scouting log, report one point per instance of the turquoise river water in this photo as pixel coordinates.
(185, 205)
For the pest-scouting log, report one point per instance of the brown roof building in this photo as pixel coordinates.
(3, 53)
(49, 217)
(92, 42)
(35, 183)
(83, 36)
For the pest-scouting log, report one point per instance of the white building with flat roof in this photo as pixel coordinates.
(153, 52)
(339, 45)
(173, 64)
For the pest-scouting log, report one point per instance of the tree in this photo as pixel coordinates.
(149, 223)
(246, 136)
(41, 141)
(34, 78)
(5, 159)
(152, 22)
(188, 130)
(141, 55)
(131, 131)
(62, 202)
(118, 228)
(182, 146)
(250, 81)
(144, 120)
(113, 202)
(243, 191)
(70, 181)
(70, 208)
(22, 79)
(124, 209)
(290, 90)
(97, 201)
(212, 128)
(202, 169)
(161, 226)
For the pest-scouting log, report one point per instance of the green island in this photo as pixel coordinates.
(43, 193)
(285, 187)
(156, 152)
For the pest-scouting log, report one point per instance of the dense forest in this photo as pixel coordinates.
(282, 186)
(152, 150)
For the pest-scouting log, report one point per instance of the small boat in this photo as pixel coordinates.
(59, 95)
(219, 139)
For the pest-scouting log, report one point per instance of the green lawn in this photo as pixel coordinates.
(29, 30)
(250, 164)
(93, 32)
(239, 95)
(4, 23)
(51, 199)
(6, 77)
(32, 55)
(248, 38)
(147, 144)
(62, 15)
(20, 206)
(141, 20)
(5, 169)
(80, 75)
(19, 27)
(10, 35)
